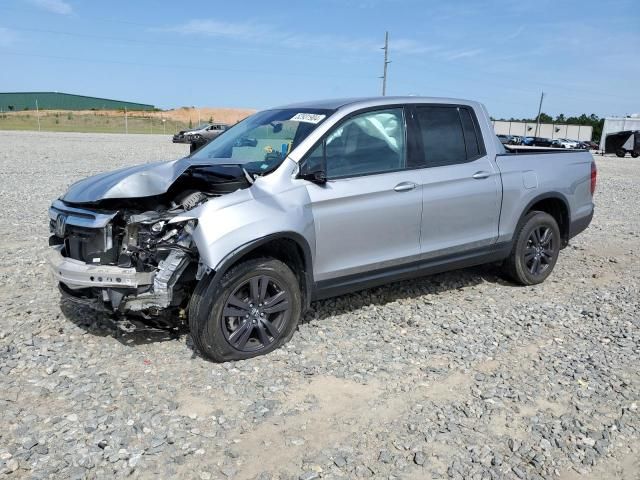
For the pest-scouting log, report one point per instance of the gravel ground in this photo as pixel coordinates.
(459, 375)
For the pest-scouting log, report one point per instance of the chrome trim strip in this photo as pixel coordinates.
(80, 217)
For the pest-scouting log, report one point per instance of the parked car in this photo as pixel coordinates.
(622, 143)
(506, 139)
(564, 143)
(542, 142)
(590, 145)
(199, 136)
(517, 139)
(585, 144)
(310, 201)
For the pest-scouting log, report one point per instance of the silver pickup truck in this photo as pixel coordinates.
(309, 201)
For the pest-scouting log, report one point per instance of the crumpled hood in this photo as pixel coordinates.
(131, 182)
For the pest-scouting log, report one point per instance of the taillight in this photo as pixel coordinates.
(594, 177)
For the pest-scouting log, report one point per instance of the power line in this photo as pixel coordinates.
(180, 67)
(217, 48)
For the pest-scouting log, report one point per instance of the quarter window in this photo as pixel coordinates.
(473, 146)
(372, 142)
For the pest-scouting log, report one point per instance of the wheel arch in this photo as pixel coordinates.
(555, 204)
(289, 247)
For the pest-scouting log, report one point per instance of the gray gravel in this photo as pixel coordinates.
(460, 375)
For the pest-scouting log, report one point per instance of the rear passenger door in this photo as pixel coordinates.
(461, 184)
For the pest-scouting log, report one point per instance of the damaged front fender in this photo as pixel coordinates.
(273, 205)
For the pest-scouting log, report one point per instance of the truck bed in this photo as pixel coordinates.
(525, 150)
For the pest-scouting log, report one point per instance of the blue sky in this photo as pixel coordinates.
(583, 54)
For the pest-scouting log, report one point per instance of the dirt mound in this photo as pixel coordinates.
(224, 115)
(183, 115)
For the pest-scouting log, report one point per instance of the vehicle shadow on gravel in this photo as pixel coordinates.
(406, 289)
(127, 330)
(132, 331)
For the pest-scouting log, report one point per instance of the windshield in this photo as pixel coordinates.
(262, 141)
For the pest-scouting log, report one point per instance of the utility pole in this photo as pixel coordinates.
(38, 114)
(386, 62)
(539, 110)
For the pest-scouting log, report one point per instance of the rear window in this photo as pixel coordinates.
(442, 137)
(450, 135)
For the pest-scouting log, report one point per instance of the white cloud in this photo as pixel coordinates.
(463, 54)
(411, 47)
(515, 34)
(7, 37)
(250, 32)
(214, 28)
(54, 6)
(256, 33)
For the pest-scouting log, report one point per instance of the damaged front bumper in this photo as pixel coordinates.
(161, 278)
(76, 274)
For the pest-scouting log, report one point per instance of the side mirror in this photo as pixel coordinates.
(318, 177)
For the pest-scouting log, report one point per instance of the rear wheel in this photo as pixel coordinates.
(621, 153)
(635, 154)
(535, 249)
(253, 310)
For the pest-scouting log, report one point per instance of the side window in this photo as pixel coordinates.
(442, 137)
(474, 145)
(372, 142)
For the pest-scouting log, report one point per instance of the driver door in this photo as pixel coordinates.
(367, 215)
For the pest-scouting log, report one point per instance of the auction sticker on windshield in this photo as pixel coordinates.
(308, 117)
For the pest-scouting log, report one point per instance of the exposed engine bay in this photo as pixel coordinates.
(140, 238)
(129, 254)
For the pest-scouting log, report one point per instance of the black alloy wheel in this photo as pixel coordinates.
(539, 252)
(255, 312)
(252, 310)
(535, 250)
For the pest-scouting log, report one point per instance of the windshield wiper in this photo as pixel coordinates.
(247, 175)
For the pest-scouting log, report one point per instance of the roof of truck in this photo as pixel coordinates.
(335, 103)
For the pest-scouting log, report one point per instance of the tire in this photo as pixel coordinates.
(621, 153)
(635, 154)
(257, 329)
(531, 239)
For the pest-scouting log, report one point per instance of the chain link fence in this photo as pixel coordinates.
(95, 122)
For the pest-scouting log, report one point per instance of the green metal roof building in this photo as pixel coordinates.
(18, 101)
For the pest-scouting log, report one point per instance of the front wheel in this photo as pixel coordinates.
(621, 153)
(535, 249)
(635, 154)
(253, 310)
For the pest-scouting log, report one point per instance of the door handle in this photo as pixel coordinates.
(404, 187)
(480, 175)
